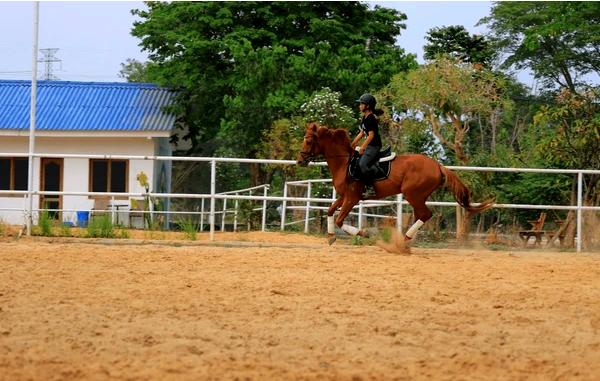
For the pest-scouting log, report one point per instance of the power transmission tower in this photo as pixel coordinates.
(49, 59)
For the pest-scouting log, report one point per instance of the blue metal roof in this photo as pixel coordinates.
(86, 106)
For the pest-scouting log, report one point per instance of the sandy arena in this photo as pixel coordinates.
(300, 311)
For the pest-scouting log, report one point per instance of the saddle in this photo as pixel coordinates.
(383, 165)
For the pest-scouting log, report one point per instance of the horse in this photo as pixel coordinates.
(415, 176)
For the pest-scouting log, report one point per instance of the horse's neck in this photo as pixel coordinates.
(337, 157)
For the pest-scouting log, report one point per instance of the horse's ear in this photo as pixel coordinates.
(313, 127)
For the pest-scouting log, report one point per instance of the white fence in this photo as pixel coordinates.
(234, 195)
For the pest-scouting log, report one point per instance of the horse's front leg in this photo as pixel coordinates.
(330, 222)
(344, 211)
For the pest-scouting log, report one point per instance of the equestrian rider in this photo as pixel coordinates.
(369, 149)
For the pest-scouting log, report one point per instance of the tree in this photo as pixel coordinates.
(570, 131)
(558, 41)
(134, 71)
(571, 134)
(239, 66)
(456, 42)
(450, 96)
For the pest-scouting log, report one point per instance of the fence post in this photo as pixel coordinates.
(283, 206)
(202, 214)
(360, 215)
(223, 216)
(213, 177)
(307, 214)
(251, 211)
(579, 205)
(399, 226)
(235, 214)
(112, 210)
(151, 210)
(264, 213)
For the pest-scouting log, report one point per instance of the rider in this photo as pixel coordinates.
(370, 148)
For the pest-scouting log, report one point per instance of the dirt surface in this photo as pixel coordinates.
(78, 311)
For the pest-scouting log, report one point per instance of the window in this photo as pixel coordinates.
(108, 175)
(13, 173)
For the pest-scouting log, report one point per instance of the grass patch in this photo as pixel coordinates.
(65, 230)
(189, 228)
(100, 226)
(44, 226)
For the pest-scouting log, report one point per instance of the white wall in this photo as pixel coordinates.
(75, 171)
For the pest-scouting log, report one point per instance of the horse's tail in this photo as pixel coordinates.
(462, 194)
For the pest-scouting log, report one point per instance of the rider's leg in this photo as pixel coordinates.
(369, 157)
(368, 169)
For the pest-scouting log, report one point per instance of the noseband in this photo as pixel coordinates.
(307, 156)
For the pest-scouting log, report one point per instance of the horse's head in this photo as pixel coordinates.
(310, 145)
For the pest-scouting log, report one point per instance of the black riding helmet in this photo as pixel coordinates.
(367, 99)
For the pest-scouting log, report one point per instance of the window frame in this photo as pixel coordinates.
(108, 175)
(12, 174)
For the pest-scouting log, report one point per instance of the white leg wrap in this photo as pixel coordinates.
(350, 229)
(412, 232)
(330, 225)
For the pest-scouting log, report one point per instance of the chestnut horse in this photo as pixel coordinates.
(415, 176)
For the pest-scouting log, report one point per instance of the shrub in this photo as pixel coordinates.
(45, 223)
(100, 227)
(189, 228)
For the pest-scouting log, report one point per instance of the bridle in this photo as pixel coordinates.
(307, 156)
(310, 156)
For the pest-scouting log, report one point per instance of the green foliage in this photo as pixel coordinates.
(456, 42)
(534, 188)
(100, 226)
(414, 136)
(240, 66)
(134, 71)
(558, 41)
(281, 140)
(246, 213)
(45, 223)
(325, 108)
(189, 228)
(570, 131)
(449, 97)
(123, 234)
(65, 230)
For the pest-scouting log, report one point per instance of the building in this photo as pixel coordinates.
(82, 118)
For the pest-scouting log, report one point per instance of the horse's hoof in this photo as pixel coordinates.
(363, 234)
(331, 239)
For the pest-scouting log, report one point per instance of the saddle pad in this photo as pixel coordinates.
(384, 168)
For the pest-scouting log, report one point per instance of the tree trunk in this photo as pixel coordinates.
(256, 174)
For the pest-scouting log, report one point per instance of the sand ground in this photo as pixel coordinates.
(301, 311)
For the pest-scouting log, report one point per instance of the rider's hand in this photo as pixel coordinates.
(361, 150)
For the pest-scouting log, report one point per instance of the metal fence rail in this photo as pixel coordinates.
(213, 195)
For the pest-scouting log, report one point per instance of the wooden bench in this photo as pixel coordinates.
(535, 231)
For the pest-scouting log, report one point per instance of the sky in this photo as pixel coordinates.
(94, 37)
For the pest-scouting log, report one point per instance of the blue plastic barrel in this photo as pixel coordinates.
(83, 217)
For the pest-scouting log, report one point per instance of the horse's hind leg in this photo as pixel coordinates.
(330, 222)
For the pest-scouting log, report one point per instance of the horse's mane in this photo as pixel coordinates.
(338, 135)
